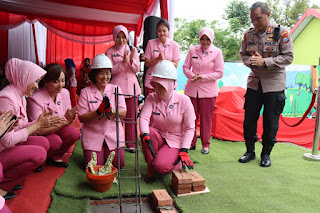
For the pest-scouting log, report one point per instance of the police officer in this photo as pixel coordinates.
(266, 49)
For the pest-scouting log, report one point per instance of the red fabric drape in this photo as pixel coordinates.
(4, 47)
(227, 122)
(9, 20)
(58, 49)
(164, 9)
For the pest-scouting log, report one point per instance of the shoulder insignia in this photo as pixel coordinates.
(269, 29)
(285, 37)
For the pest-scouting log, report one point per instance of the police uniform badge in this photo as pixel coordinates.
(285, 37)
(269, 29)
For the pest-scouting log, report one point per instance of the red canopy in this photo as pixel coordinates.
(85, 17)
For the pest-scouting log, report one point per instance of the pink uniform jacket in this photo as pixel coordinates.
(210, 65)
(175, 121)
(41, 101)
(124, 76)
(11, 99)
(171, 52)
(94, 132)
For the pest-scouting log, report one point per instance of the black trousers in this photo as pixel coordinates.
(273, 103)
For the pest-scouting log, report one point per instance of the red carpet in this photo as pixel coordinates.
(35, 195)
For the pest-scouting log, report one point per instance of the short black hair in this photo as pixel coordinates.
(53, 73)
(164, 22)
(262, 5)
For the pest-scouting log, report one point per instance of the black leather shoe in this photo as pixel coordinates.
(9, 195)
(131, 150)
(205, 151)
(17, 187)
(193, 148)
(265, 161)
(39, 169)
(247, 157)
(56, 163)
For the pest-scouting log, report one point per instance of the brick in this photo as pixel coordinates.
(175, 185)
(198, 188)
(161, 197)
(197, 180)
(181, 176)
(181, 191)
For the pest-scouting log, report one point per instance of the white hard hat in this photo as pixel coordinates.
(101, 61)
(165, 69)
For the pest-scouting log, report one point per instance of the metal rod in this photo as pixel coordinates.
(118, 146)
(315, 146)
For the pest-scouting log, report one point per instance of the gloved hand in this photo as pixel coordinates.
(104, 107)
(185, 159)
(145, 138)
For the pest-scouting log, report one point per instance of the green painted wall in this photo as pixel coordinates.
(307, 44)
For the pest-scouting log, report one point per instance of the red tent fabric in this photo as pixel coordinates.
(86, 15)
(227, 122)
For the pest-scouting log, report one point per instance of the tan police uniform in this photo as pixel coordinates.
(266, 85)
(276, 53)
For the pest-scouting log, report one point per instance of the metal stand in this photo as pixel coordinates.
(315, 147)
(135, 172)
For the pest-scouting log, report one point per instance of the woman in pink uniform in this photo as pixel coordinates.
(97, 113)
(166, 140)
(21, 153)
(203, 67)
(3, 207)
(125, 64)
(161, 48)
(53, 97)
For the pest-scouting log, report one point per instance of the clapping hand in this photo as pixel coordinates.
(71, 114)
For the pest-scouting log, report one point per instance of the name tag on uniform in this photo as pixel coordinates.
(156, 50)
(156, 113)
(252, 43)
(195, 57)
(117, 55)
(93, 101)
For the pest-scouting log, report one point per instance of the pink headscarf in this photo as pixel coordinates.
(22, 73)
(116, 31)
(208, 32)
(168, 85)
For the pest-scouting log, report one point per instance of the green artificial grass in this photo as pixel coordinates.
(289, 185)
(60, 204)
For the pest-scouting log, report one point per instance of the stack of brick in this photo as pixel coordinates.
(162, 201)
(198, 182)
(181, 182)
